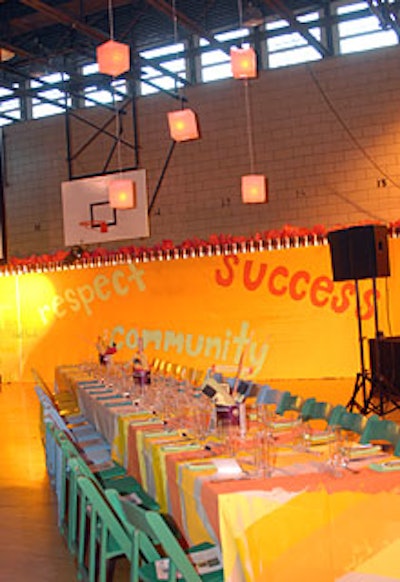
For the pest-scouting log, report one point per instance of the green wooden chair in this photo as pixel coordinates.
(381, 430)
(158, 547)
(316, 413)
(125, 484)
(352, 422)
(289, 402)
(101, 532)
(335, 415)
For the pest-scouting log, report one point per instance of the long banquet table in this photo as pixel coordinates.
(301, 523)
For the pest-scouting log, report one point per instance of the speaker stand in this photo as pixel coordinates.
(370, 385)
(361, 378)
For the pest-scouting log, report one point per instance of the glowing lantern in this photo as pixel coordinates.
(254, 189)
(243, 63)
(6, 55)
(183, 125)
(122, 194)
(113, 58)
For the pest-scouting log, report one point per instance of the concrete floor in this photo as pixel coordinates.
(31, 547)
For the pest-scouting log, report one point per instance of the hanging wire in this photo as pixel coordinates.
(117, 131)
(348, 131)
(177, 88)
(249, 125)
(111, 19)
(240, 12)
(117, 116)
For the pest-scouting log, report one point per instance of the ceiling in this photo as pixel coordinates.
(45, 36)
(59, 34)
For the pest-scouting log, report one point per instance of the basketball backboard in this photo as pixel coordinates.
(88, 217)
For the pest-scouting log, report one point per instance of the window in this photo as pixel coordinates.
(168, 57)
(364, 32)
(10, 106)
(216, 63)
(290, 48)
(96, 93)
(47, 100)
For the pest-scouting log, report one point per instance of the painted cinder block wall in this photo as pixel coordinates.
(327, 136)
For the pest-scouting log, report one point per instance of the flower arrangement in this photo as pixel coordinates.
(217, 244)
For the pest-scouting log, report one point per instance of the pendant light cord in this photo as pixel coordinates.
(111, 19)
(117, 117)
(175, 32)
(249, 129)
(240, 12)
(250, 139)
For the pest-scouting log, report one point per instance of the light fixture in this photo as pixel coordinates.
(183, 125)
(244, 67)
(6, 55)
(113, 58)
(243, 62)
(254, 189)
(122, 194)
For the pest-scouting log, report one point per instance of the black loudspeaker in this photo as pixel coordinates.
(359, 252)
(384, 354)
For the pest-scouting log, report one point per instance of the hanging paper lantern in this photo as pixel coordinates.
(122, 194)
(254, 189)
(183, 125)
(243, 63)
(113, 58)
(6, 55)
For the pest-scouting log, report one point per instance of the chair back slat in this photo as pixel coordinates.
(156, 530)
(381, 429)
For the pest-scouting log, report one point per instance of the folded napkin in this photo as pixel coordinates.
(89, 383)
(361, 451)
(200, 466)
(110, 396)
(283, 424)
(392, 465)
(146, 421)
(117, 403)
(100, 391)
(319, 438)
(183, 447)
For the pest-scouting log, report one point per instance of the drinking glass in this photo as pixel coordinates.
(248, 452)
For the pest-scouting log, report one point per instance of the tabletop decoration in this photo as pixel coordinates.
(105, 349)
(140, 366)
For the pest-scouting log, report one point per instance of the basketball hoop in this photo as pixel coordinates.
(100, 224)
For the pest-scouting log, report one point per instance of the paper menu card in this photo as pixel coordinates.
(205, 562)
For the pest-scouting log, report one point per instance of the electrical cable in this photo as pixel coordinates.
(348, 131)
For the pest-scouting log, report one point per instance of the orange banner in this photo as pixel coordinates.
(280, 308)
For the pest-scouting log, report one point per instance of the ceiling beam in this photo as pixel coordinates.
(94, 33)
(387, 14)
(66, 18)
(28, 22)
(284, 12)
(186, 22)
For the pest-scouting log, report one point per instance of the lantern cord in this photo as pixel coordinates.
(111, 19)
(175, 23)
(249, 124)
(117, 116)
(240, 11)
(117, 132)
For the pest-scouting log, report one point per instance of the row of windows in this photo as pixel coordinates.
(359, 30)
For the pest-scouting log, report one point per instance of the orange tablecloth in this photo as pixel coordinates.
(312, 526)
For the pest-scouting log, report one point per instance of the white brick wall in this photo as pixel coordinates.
(317, 173)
